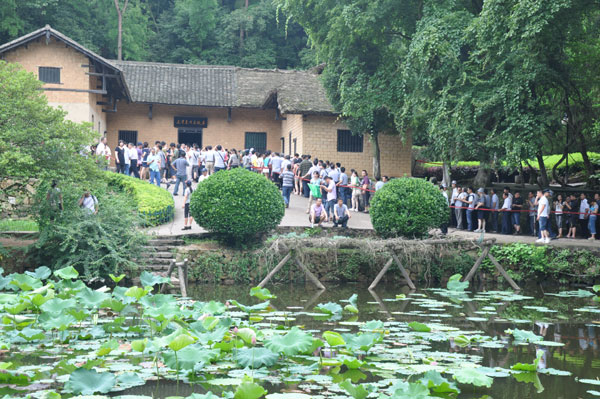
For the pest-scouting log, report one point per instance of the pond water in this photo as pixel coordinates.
(293, 342)
(570, 323)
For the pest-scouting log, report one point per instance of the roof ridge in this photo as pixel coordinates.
(167, 64)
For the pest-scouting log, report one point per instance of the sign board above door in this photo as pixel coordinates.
(190, 121)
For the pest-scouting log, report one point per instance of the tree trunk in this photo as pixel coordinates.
(544, 182)
(376, 155)
(446, 174)
(242, 32)
(482, 179)
(120, 13)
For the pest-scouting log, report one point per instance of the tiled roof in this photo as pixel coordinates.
(224, 86)
(180, 84)
(297, 91)
(206, 85)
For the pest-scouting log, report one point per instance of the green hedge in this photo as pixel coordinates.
(154, 204)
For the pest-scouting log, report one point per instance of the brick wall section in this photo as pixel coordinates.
(218, 130)
(292, 123)
(80, 106)
(320, 140)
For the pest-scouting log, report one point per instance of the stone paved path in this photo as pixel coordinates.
(295, 216)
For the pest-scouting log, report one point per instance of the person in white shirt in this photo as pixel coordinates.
(506, 215)
(458, 203)
(203, 176)
(133, 160)
(584, 209)
(89, 203)
(494, 213)
(453, 197)
(220, 158)
(103, 150)
(543, 212)
(127, 160)
(209, 160)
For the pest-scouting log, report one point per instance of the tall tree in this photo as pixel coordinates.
(361, 41)
(120, 12)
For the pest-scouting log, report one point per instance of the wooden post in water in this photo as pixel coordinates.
(486, 253)
(275, 270)
(383, 271)
(309, 274)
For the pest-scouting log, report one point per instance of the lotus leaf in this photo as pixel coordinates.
(207, 395)
(363, 342)
(419, 327)
(88, 382)
(128, 380)
(293, 343)
(261, 293)
(148, 279)
(136, 292)
(434, 381)
(41, 273)
(92, 298)
(351, 362)
(357, 391)
(251, 309)
(67, 273)
(524, 336)
(408, 390)
(189, 356)
(116, 279)
(256, 357)
(333, 338)
(329, 308)
(180, 342)
(454, 283)
(249, 390)
(25, 282)
(472, 376)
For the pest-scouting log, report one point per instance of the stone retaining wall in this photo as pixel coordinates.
(16, 196)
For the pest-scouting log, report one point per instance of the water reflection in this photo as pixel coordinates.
(557, 319)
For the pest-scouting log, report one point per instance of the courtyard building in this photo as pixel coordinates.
(286, 111)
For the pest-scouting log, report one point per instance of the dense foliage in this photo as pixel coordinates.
(224, 32)
(237, 204)
(154, 204)
(488, 81)
(35, 139)
(95, 245)
(408, 207)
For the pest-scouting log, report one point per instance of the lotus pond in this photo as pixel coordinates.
(62, 339)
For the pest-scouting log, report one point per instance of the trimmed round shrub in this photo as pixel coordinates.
(408, 207)
(238, 204)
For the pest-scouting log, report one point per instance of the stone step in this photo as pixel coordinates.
(155, 268)
(160, 248)
(156, 261)
(166, 241)
(155, 255)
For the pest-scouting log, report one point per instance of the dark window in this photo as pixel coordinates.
(190, 136)
(49, 74)
(256, 140)
(348, 142)
(295, 150)
(282, 146)
(128, 136)
(290, 143)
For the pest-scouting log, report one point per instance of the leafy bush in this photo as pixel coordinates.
(408, 207)
(95, 245)
(155, 204)
(237, 204)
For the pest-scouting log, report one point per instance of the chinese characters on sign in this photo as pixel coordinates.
(190, 121)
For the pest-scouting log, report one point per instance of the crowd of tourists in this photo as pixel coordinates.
(332, 192)
(542, 213)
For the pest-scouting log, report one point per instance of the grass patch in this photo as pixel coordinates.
(18, 225)
(575, 160)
